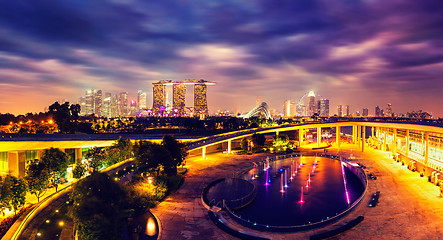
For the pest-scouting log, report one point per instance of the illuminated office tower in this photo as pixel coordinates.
(114, 106)
(301, 109)
(178, 101)
(287, 108)
(158, 102)
(312, 108)
(200, 102)
(323, 107)
(123, 104)
(89, 102)
(107, 105)
(98, 102)
(347, 111)
(389, 110)
(340, 110)
(141, 100)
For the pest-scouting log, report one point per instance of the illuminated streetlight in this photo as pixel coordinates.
(61, 223)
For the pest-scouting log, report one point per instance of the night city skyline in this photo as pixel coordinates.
(360, 54)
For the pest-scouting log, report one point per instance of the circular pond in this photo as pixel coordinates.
(299, 191)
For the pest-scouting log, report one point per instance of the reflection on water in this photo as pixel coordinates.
(315, 192)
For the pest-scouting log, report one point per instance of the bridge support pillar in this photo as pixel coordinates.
(384, 139)
(407, 142)
(337, 136)
(354, 134)
(394, 141)
(300, 136)
(363, 138)
(318, 136)
(372, 129)
(204, 153)
(229, 146)
(78, 155)
(276, 133)
(426, 148)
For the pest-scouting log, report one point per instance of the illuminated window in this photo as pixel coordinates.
(4, 163)
(31, 155)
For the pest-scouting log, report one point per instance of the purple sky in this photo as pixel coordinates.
(360, 53)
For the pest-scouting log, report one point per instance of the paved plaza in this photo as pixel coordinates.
(409, 206)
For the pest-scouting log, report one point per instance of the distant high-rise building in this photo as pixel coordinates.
(389, 112)
(293, 109)
(178, 99)
(141, 100)
(82, 103)
(347, 111)
(107, 105)
(340, 110)
(365, 112)
(89, 102)
(158, 102)
(378, 111)
(301, 109)
(287, 108)
(114, 106)
(323, 107)
(312, 107)
(357, 113)
(98, 102)
(123, 104)
(200, 102)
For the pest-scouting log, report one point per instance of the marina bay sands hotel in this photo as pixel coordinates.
(179, 96)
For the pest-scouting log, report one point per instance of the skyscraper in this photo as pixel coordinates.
(158, 101)
(200, 102)
(114, 106)
(340, 110)
(287, 108)
(312, 107)
(377, 111)
(107, 105)
(179, 95)
(347, 111)
(141, 100)
(123, 104)
(324, 107)
(98, 102)
(89, 102)
(389, 110)
(365, 112)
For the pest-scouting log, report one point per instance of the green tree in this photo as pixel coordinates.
(125, 148)
(97, 158)
(151, 157)
(56, 161)
(37, 178)
(259, 140)
(177, 150)
(98, 207)
(244, 144)
(13, 193)
(78, 171)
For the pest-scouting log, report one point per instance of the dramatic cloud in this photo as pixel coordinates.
(361, 53)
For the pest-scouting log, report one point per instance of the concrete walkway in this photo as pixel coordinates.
(409, 207)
